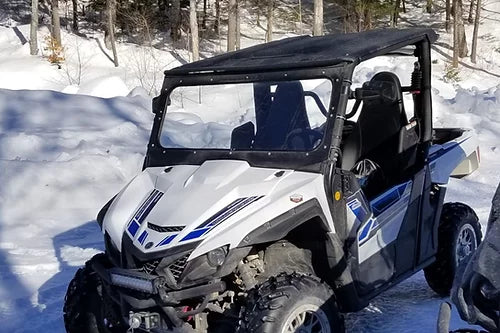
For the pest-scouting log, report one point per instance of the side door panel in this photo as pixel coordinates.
(388, 233)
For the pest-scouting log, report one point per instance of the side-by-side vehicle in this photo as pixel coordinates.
(277, 194)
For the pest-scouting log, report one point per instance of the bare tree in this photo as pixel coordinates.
(395, 14)
(318, 18)
(231, 26)
(473, 56)
(75, 15)
(110, 31)
(56, 21)
(448, 15)
(193, 24)
(269, 17)
(471, 12)
(428, 7)
(34, 28)
(238, 26)
(174, 16)
(455, 35)
(204, 20)
(462, 40)
(300, 17)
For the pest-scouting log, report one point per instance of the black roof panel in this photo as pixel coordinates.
(307, 51)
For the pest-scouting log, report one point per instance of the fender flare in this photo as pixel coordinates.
(280, 226)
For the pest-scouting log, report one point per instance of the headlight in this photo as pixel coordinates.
(216, 257)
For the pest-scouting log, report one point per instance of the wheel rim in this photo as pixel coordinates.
(466, 243)
(307, 318)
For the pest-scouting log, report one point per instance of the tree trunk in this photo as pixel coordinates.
(56, 22)
(318, 18)
(193, 24)
(448, 14)
(300, 17)
(269, 16)
(110, 16)
(231, 26)
(473, 56)
(217, 17)
(204, 20)
(455, 35)
(368, 18)
(395, 13)
(75, 15)
(238, 26)
(462, 40)
(470, 19)
(429, 6)
(404, 6)
(34, 28)
(175, 20)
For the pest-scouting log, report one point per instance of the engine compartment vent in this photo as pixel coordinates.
(159, 228)
(177, 267)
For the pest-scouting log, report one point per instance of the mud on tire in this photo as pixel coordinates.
(457, 220)
(84, 305)
(288, 301)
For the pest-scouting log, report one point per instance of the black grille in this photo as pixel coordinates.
(158, 228)
(177, 267)
(150, 266)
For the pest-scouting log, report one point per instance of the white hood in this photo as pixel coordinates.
(198, 202)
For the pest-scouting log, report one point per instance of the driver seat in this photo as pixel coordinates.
(287, 113)
(376, 133)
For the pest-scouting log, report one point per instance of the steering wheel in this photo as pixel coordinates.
(307, 136)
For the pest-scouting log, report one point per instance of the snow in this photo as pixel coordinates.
(64, 153)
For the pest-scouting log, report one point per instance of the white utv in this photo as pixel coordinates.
(271, 203)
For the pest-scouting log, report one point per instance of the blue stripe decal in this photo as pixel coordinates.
(143, 211)
(167, 240)
(195, 234)
(132, 228)
(388, 198)
(143, 237)
(221, 212)
(366, 231)
(221, 216)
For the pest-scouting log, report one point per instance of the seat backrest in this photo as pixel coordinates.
(287, 112)
(379, 123)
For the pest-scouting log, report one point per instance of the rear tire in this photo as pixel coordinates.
(287, 302)
(84, 306)
(459, 235)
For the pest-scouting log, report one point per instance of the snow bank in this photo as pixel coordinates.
(61, 158)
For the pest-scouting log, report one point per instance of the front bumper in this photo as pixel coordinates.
(151, 286)
(135, 291)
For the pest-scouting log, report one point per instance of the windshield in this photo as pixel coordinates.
(282, 116)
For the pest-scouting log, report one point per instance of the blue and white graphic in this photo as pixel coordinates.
(221, 216)
(143, 211)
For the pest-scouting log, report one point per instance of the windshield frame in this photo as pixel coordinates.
(299, 160)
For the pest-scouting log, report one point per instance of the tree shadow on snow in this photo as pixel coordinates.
(72, 249)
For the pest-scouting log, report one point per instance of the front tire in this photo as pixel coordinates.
(84, 308)
(459, 235)
(291, 303)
